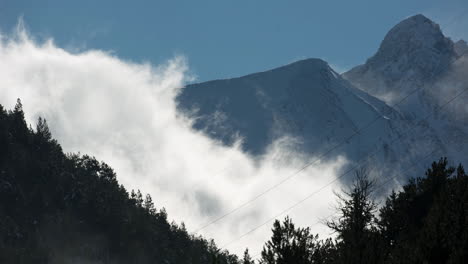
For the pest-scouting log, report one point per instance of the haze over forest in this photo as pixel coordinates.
(109, 160)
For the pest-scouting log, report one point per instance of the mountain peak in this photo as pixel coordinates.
(415, 49)
(418, 20)
(309, 65)
(416, 35)
(310, 61)
(415, 28)
(413, 52)
(290, 100)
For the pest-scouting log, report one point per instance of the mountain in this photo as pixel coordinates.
(413, 53)
(416, 57)
(360, 111)
(68, 208)
(307, 102)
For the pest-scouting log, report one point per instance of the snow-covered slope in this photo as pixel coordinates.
(416, 58)
(367, 110)
(305, 100)
(413, 53)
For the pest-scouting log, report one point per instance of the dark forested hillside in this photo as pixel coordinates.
(69, 208)
(425, 222)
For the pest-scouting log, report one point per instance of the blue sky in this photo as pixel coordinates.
(228, 38)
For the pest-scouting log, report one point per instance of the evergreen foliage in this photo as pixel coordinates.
(289, 244)
(247, 259)
(426, 222)
(58, 208)
(70, 208)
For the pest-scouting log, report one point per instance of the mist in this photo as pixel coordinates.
(124, 113)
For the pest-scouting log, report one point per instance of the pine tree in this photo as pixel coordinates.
(18, 126)
(356, 224)
(139, 198)
(289, 245)
(149, 205)
(427, 221)
(247, 259)
(42, 129)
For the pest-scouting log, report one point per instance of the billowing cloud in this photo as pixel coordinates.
(124, 114)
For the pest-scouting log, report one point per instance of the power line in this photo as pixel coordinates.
(345, 140)
(323, 187)
(324, 154)
(375, 188)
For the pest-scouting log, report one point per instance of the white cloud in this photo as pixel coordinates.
(124, 113)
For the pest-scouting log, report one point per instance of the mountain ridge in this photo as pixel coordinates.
(414, 47)
(308, 101)
(434, 75)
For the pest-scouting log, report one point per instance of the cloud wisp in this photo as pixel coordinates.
(124, 113)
